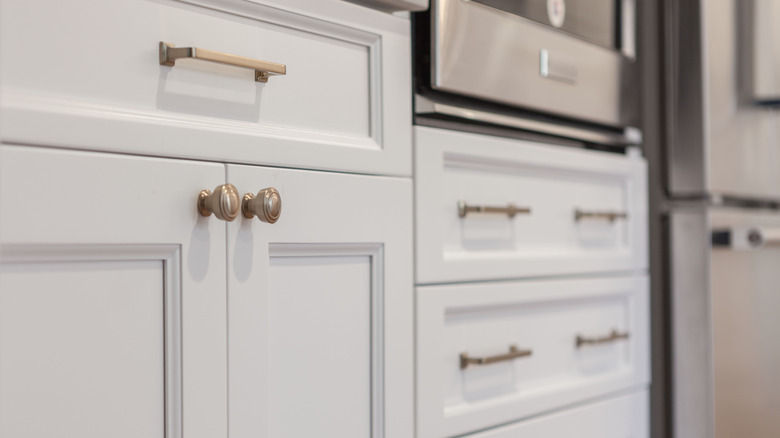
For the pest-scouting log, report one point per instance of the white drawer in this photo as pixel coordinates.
(552, 181)
(621, 417)
(88, 71)
(543, 317)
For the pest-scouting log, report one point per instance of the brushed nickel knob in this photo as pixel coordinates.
(223, 202)
(267, 205)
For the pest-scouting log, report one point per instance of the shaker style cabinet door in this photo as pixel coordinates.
(112, 297)
(320, 306)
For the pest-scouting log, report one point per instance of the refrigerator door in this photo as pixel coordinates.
(722, 142)
(745, 305)
(725, 302)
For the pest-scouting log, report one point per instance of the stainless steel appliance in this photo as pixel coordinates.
(724, 221)
(570, 59)
(765, 50)
(395, 5)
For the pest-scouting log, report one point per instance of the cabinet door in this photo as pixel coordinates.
(112, 297)
(320, 308)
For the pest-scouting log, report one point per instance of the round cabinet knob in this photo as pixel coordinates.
(223, 202)
(267, 205)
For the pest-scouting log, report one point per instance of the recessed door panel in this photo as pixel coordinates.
(319, 328)
(82, 349)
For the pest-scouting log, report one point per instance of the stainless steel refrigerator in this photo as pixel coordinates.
(723, 186)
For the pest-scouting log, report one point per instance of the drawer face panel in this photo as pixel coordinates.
(586, 338)
(621, 417)
(554, 183)
(337, 107)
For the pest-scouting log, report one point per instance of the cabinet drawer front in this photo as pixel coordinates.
(100, 84)
(621, 417)
(550, 238)
(585, 338)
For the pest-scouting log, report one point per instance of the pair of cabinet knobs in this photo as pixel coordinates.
(224, 203)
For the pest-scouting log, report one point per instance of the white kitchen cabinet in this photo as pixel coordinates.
(321, 309)
(578, 211)
(532, 296)
(490, 354)
(624, 416)
(123, 312)
(112, 297)
(344, 103)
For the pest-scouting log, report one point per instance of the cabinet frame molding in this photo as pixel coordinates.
(170, 256)
(375, 252)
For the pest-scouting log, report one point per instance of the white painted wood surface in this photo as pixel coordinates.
(112, 297)
(544, 316)
(344, 104)
(321, 308)
(552, 181)
(81, 349)
(626, 416)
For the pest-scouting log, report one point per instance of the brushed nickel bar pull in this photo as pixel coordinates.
(510, 210)
(608, 215)
(613, 336)
(514, 353)
(169, 53)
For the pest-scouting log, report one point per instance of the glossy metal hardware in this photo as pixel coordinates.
(629, 136)
(514, 353)
(263, 69)
(223, 202)
(613, 336)
(267, 205)
(508, 73)
(510, 210)
(395, 5)
(559, 70)
(608, 215)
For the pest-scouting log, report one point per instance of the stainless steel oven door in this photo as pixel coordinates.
(487, 53)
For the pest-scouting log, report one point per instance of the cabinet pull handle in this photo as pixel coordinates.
(608, 215)
(223, 202)
(510, 210)
(613, 336)
(267, 205)
(169, 53)
(514, 353)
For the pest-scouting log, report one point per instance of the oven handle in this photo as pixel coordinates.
(629, 137)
